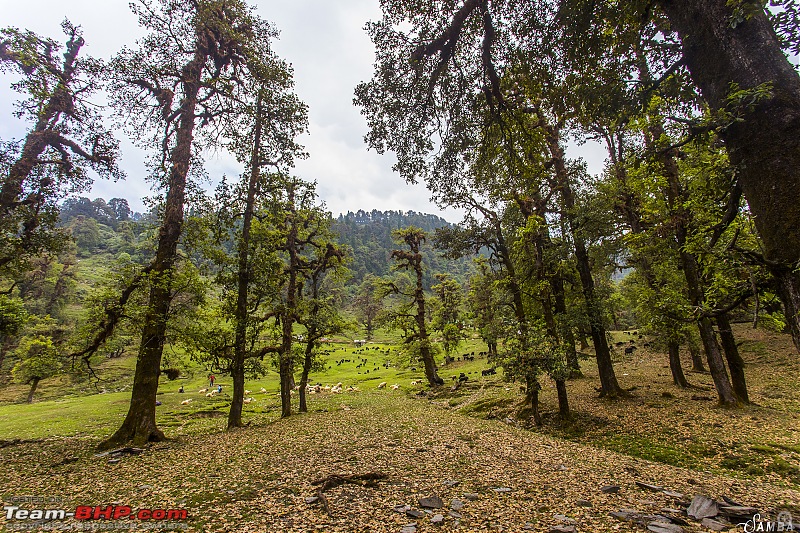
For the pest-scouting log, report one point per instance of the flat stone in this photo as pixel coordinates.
(584, 503)
(562, 529)
(714, 525)
(409, 528)
(501, 489)
(113, 461)
(647, 486)
(661, 527)
(676, 495)
(529, 526)
(437, 519)
(413, 513)
(401, 508)
(454, 514)
(312, 499)
(431, 502)
(610, 489)
(451, 483)
(471, 496)
(738, 511)
(702, 507)
(456, 505)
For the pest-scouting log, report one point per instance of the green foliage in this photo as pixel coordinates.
(12, 316)
(38, 359)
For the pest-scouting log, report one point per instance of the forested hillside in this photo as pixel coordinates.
(369, 236)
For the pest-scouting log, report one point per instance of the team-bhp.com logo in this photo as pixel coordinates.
(782, 523)
(84, 515)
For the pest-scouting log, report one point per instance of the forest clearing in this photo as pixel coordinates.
(475, 441)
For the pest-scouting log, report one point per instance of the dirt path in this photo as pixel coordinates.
(258, 479)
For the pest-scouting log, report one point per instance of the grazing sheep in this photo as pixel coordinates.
(247, 400)
(203, 391)
(395, 386)
(247, 392)
(382, 385)
(263, 389)
(209, 395)
(186, 402)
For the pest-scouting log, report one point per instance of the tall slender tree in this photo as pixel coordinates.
(175, 92)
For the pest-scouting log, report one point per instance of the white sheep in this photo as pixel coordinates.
(395, 386)
(247, 400)
(202, 391)
(186, 402)
(209, 395)
(247, 391)
(263, 389)
(382, 385)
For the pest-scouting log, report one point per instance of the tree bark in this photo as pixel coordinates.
(608, 380)
(735, 361)
(788, 282)
(532, 388)
(34, 384)
(243, 278)
(286, 366)
(697, 359)
(563, 400)
(678, 378)
(764, 144)
(140, 425)
(307, 360)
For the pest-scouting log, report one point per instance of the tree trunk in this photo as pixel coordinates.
(678, 378)
(789, 292)
(608, 380)
(735, 361)
(764, 143)
(139, 425)
(243, 278)
(532, 391)
(237, 401)
(697, 359)
(309, 357)
(716, 365)
(557, 285)
(34, 384)
(563, 401)
(424, 343)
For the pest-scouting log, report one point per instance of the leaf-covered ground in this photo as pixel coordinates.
(258, 479)
(470, 442)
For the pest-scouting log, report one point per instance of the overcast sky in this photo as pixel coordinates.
(325, 42)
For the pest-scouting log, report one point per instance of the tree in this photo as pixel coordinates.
(176, 91)
(368, 303)
(12, 318)
(67, 139)
(121, 209)
(319, 310)
(414, 308)
(38, 361)
(447, 311)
